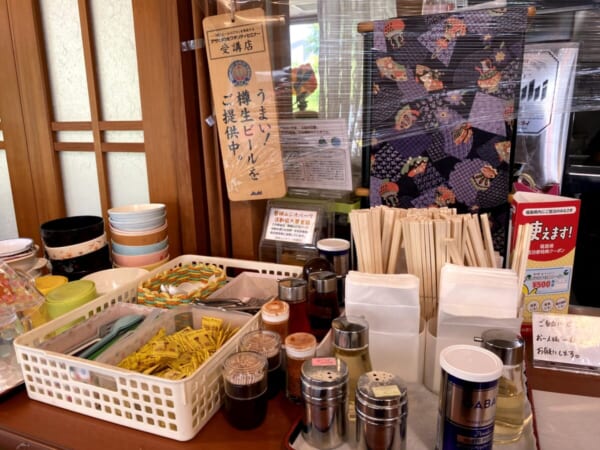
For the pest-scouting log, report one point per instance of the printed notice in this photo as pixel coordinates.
(567, 340)
(291, 225)
(316, 154)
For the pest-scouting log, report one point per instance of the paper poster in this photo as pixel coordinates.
(291, 225)
(316, 154)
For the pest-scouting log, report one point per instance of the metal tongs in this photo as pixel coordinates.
(234, 304)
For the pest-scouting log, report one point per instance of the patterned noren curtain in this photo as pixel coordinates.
(340, 60)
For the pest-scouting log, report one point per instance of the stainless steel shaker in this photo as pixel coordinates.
(324, 390)
(381, 411)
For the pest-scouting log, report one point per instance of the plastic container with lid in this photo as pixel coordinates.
(46, 283)
(468, 391)
(298, 348)
(267, 343)
(69, 296)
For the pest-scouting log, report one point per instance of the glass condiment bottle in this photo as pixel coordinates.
(293, 292)
(381, 411)
(323, 304)
(267, 343)
(324, 386)
(512, 410)
(298, 348)
(275, 316)
(316, 264)
(245, 385)
(337, 252)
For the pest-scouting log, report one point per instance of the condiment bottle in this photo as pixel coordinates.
(512, 413)
(351, 345)
(275, 316)
(267, 343)
(323, 304)
(245, 383)
(324, 386)
(337, 252)
(381, 412)
(298, 348)
(293, 292)
(316, 264)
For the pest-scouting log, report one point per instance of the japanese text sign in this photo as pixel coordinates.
(566, 339)
(244, 105)
(291, 225)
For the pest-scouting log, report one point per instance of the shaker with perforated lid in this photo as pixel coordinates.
(381, 411)
(324, 390)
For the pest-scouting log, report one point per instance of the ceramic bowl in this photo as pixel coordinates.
(140, 260)
(139, 225)
(151, 267)
(80, 266)
(71, 230)
(139, 249)
(137, 211)
(72, 251)
(111, 279)
(139, 237)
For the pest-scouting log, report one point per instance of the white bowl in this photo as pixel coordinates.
(111, 279)
(142, 210)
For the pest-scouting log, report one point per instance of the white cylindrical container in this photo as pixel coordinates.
(468, 391)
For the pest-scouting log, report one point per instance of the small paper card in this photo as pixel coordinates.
(566, 341)
(291, 225)
(316, 154)
(244, 105)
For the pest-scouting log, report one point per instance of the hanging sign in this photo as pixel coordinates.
(244, 104)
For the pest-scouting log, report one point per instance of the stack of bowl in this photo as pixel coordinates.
(76, 246)
(139, 236)
(22, 254)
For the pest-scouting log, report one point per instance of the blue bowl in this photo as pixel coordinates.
(139, 249)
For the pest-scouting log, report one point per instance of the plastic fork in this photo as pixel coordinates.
(121, 325)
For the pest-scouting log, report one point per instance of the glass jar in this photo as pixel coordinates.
(245, 385)
(275, 316)
(323, 304)
(316, 264)
(298, 348)
(293, 292)
(268, 344)
(512, 411)
(324, 385)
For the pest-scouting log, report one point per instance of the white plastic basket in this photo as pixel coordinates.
(175, 409)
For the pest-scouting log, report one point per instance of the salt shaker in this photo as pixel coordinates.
(324, 385)
(512, 413)
(275, 316)
(381, 411)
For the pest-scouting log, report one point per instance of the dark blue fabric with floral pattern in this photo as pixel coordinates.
(441, 110)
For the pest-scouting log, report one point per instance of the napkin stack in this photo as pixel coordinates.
(390, 305)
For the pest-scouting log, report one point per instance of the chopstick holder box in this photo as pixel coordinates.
(471, 300)
(390, 304)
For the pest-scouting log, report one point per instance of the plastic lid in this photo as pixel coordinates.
(46, 283)
(275, 311)
(471, 363)
(74, 291)
(507, 344)
(333, 245)
(300, 345)
(265, 342)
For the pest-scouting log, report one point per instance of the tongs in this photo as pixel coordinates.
(234, 304)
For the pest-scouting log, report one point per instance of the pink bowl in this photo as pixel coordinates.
(140, 260)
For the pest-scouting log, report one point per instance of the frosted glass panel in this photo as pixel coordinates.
(116, 59)
(66, 66)
(124, 136)
(128, 178)
(8, 221)
(80, 181)
(74, 136)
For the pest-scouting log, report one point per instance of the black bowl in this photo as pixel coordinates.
(80, 266)
(71, 230)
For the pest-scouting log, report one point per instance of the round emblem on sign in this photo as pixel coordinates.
(239, 73)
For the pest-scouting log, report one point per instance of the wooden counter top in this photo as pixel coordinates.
(50, 427)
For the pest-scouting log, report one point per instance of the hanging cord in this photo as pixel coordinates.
(232, 9)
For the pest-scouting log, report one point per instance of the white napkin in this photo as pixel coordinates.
(390, 305)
